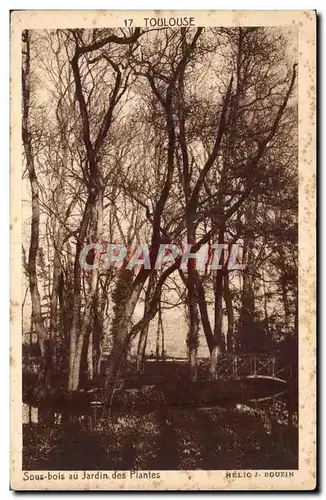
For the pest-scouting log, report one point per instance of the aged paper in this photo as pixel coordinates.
(163, 250)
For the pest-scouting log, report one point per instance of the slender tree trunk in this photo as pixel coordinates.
(285, 305)
(54, 308)
(75, 370)
(160, 320)
(191, 207)
(218, 311)
(144, 332)
(56, 277)
(247, 308)
(193, 329)
(90, 366)
(193, 310)
(219, 346)
(229, 311)
(141, 348)
(97, 333)
(158, 344)
(247, 313)
(59, 204)
(265, 303)
(213, 358)
(208, 332)
(35, 223)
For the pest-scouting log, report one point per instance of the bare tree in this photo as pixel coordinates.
(29, 142)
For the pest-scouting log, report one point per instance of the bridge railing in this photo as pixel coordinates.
(249, 365)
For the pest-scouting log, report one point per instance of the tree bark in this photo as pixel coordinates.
(201, 300)
(160, 320)
(144, 332)
(285, 304)
(74, 352)
(86, 323)
(218, 311)
(35, 223)
(90, 365)
(247, 313)
(231, 343)
(208, 332)
(121, 340)
(74, 373)
(219, 340)
(265, 303)
(192, 340)
(158, 344)
(56, 277)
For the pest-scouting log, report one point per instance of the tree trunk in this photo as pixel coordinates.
(97, 332)
(219, 346)
(59, 205)
(219, 340)
(35, 223)
(115, 361)
(144, 332)
(214, 354)
(265, 303)
(121, 338)
(191, 201)
(247, 314)
(192, 306)
(158, 344)
(56, 277)
(218, 311)
(231, 344)
(247, 310)
(86, 324)
(160, 320)
(77, 295)
(90, 367)
(208, 332)
(193, 324)
(285, 305)
(141, 348)
(74, 373)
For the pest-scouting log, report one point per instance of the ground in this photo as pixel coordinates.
(215, 438)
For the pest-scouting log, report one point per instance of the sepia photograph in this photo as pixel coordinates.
(159, 238)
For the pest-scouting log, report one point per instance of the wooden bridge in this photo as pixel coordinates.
(253, 366)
